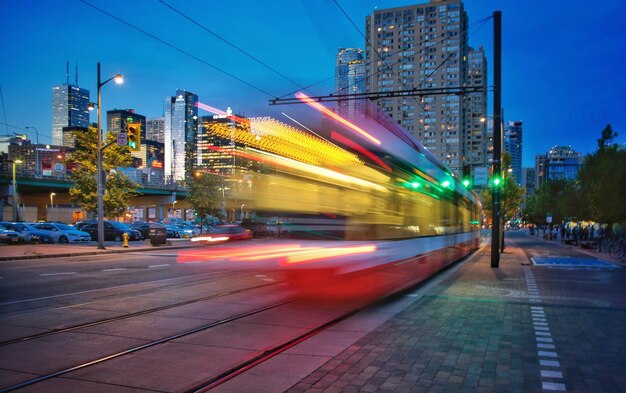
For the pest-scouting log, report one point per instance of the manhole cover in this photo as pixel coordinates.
(572, 262)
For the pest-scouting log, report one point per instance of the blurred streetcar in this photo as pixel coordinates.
(400, 214)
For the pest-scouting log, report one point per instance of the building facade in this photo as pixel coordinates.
(350, 78)
(118, 119)
(423, 46)
(513, 145)
(155, 129)
(561, 162)
(478, 152)
(70, 108)
(180, 135)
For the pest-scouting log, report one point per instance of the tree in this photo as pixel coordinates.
(559, 197)
(204, 194)
(118, 188)
(603, 180)
(511, 194)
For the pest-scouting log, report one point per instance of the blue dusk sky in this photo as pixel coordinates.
(563, 61)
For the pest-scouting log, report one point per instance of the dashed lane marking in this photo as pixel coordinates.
(162, 265)
(57, 274)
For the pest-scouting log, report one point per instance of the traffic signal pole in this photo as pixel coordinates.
(497, 137)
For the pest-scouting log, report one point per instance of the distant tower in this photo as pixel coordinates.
(513, 146)
(70, 108)
(180, 134)
(477, 152)
(350, 77)
(155, 129)
(409, 45)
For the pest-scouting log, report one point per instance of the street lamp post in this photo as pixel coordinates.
(15, 211)
(36, 148)
(52, 194)
(118, 79)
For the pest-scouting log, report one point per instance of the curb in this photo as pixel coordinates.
(597, 255)
(95, 252)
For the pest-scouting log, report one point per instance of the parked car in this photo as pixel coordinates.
(113, 230)
(9, 237)
(173, 231)
(224, 233)
(143, 227)
(27, 233)
(62, 233)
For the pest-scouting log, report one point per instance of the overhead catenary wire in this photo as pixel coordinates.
(172, 46)
(190, 19)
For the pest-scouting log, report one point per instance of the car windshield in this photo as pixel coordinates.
(65, 227)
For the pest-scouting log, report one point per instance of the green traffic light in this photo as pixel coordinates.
(497, 181)
(466, 183)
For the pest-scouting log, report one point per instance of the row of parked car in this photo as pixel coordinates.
(87, 231)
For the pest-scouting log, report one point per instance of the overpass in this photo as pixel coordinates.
(47, 198)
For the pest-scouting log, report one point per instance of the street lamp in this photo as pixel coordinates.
(15, 211)
(36, 149)
(242, 215)
(52, 194)
(119, 80)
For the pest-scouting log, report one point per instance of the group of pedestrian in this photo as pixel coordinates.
(567, 231)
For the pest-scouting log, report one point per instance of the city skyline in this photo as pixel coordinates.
(565, 95)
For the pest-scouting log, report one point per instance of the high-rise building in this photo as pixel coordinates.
(478, 154)
(423, 46)
(155, 129)
(70, 108)
(528, 180)
(561, 162)
(180, 134)
(350, 78)
(118, 119)
(513, 146)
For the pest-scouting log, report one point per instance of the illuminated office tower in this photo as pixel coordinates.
(180, 134)
(350, 78)
(155, 129)
(513, 146)
(70, 108)
(422, 46)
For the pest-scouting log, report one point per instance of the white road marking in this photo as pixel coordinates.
(552, 386)
(162, 265)
(57, 274)
(114, 270)
(551, 374)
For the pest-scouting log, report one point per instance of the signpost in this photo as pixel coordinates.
(122, 139)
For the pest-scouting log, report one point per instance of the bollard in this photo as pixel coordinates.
(125, 239)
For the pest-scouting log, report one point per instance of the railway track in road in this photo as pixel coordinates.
(221, 377)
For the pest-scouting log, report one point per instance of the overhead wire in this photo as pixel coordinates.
(236, 47)
(172, 46)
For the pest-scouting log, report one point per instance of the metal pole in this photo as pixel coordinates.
(14, 195)
(99, 172)
(497, 137)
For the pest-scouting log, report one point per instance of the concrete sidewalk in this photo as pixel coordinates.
(519, 328)
(36, 251)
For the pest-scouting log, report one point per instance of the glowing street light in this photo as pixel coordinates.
(52, 194)
(118, 80)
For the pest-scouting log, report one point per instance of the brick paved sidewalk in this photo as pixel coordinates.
(519, 328)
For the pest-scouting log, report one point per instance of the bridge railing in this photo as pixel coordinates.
(167, 183)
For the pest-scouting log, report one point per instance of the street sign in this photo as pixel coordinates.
(549, 218)
(122, 139)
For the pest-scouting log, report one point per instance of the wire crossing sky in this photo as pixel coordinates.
(562, 60)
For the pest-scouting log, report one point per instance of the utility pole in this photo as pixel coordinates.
(497, 137)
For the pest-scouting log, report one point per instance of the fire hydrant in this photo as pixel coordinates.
(125, 239)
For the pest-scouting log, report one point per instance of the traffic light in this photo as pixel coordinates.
(134, 136)
(467, 176)
(496, 181)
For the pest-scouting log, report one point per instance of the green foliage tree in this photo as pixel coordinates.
(118, 189)
(559, 197)
(204, 194)
(511, 194)
(603, 180)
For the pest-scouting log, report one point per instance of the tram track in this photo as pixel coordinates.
(137, 348)
(131, 315)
